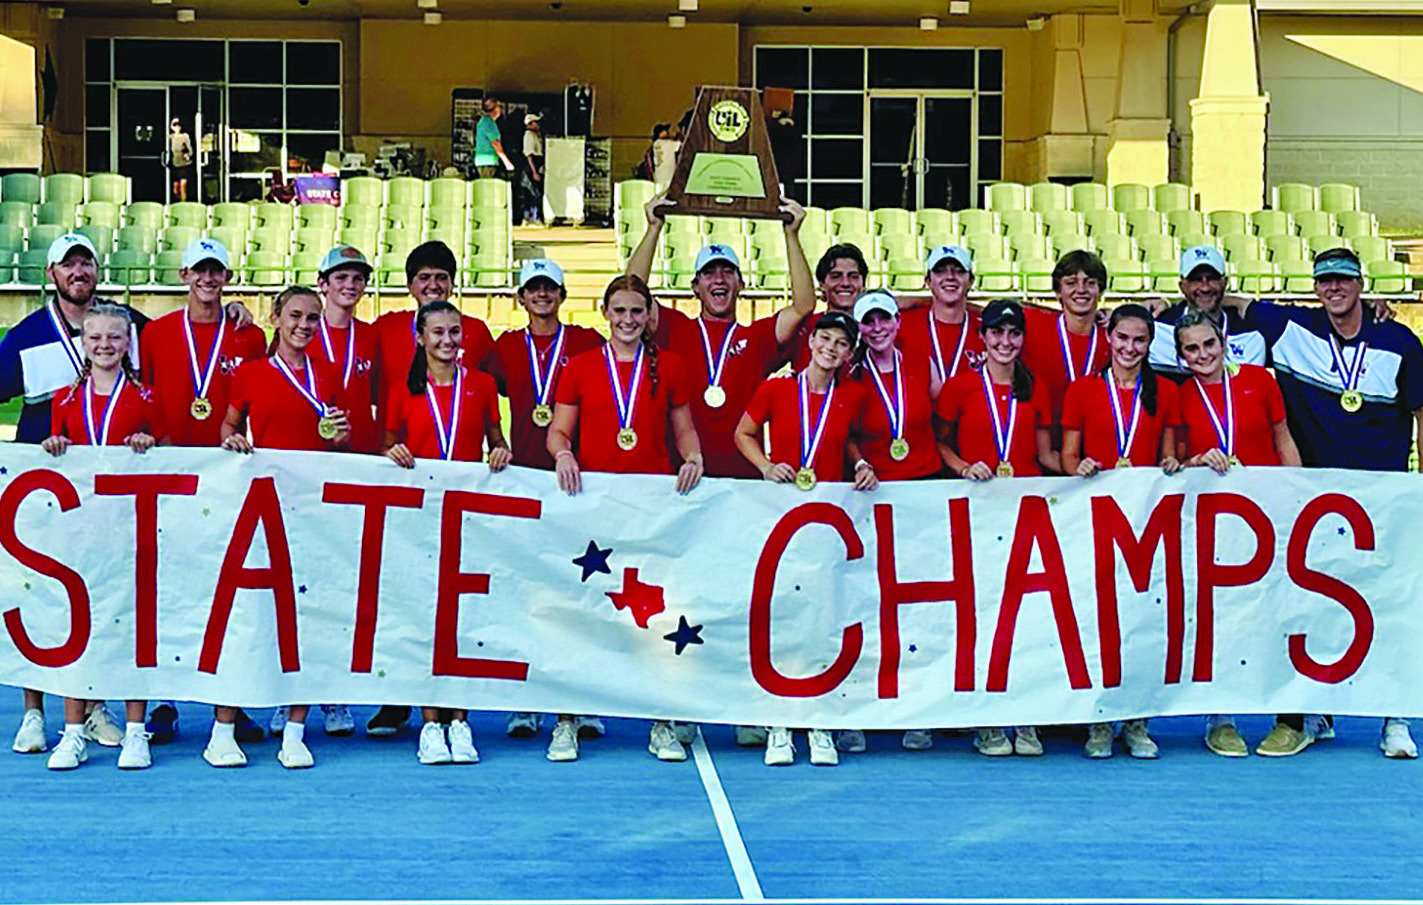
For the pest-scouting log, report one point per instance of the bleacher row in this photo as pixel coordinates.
(141, 243)
(1016, 238)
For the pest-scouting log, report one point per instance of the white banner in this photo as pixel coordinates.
(288, 577)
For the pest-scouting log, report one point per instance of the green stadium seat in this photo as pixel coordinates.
(770, 271)
(40, 237)
(177, 238)
(1183, 221)
(1021, 222)
(404, 217)
(100, 213)
(850, 220)
(233, 237)
(449, 193)
(1104, 221)
(1324, 242)
(265, 268)
(1145, 222)
(1029, 245)
(273, 215)
(1357, 223)
(974, 220)
(317, 216)
(994, 274)
(111, 187)
(988, 245)
(1063, 221)
(489, 194)
(101, 236)
(305, 265)
(1315, 223)
(363, 191)
(1047, 196)
(1162, 275)
(1191, 240)
(270, 239)
(1239, 247)
(1131, 196)
(362, 238)
(454, 238)
(1115, 245)
(1296, 277)
(31, 270)
(167, 266)
(314, 238)
(1372, 248)
(1286, 248)
(1229, 223)
(129, 267)
(57, 213)
(144, 213)
(890, 221)
(399, 242)
(1253, 277)
(1036, 274)
(1389, 277)
(1158, 246)
(139, 238)
(20, 187)
(1172, 196)
(725, 230)
(12, 237)
(1292, 197)
(935, 221)
(1125, 276)
(405, 191)
(7, 266)
(1272, 223)
(817, 219)
(190, 213)
(452, 220)
(865, 242)
(360, 216)
(633, 194)
(1090, 196)
(17, 213)
(904, 274)
(490, 265)
(899, 245)
(1062, 242)
(64, 188)
(1005, 196)
(1335, 197)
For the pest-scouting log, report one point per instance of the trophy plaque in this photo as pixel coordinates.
(725, 167)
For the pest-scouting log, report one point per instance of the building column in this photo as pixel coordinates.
(20, 131)
(1137, 145)
(1228, 117)
(1065, 150)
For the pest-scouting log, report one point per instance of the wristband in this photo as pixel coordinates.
(865, 464)
(563, 452)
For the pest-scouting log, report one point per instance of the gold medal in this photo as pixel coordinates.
(805, 479)
(1352, 400)
(1004, 470)
(627, 438)
(899, 449)
(1124, 462)
(543, 415)
(714, 396)
(327, 428)
(201, 409)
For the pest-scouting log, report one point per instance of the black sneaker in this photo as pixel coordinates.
(388, 720)
(246, 731)
(162, 724)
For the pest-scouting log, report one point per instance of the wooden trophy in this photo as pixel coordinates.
(725, 167)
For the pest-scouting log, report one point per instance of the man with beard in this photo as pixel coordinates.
(1203, 287)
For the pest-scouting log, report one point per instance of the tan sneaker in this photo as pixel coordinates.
(1224, 739)
(1283, 741)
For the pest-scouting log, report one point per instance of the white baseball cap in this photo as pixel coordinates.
(1201, 256)
(60, 248)
(957, 253)
(201, 250)
(715, 252)
(875, 300)
(540, 267)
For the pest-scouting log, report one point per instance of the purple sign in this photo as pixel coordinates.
(318, 189)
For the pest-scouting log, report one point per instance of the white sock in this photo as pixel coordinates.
(132, 728)
(222, 731)
(293, 732)
(73, 728)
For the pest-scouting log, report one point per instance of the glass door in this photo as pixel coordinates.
(171, 141)
(919, 151)
(142, 140)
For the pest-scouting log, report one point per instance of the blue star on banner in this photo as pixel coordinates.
(684, 635)
(593, 560)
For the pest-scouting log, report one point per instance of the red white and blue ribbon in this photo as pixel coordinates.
(543, 383)
(1349, 375)
(810, 436)
(1224, 432)
(947, 371)
(307, 389)
(1066, 343)
(1126, 431)
(97, 424)
(348, 366)
(893, 406)
(716, 364)
(202, 379)
(447, 430)
(626, 402)
(66, 342)
(1002, 432)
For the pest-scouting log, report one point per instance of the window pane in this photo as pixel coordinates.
(947, 187)
(990, 114)
(913, 68)
(168, 61)
(255, 62)
(96, 105)
(838, 67)
(836, 194)
(990, 159)
(314, 108)
(947, 130)
(836, 158)
(782, 67)
(313, 63)
(253, 153)
(255, 108)
(311, 149)
(990, 70)
(96, 151)
(245, 189)
(837, 114)
(96, 60)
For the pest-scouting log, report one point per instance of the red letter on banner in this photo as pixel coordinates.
(893, 594)
(1210, 575)
(375, 500)
(1112, 531)
(261, 506)
(79, 617)
(1329, 586)
(454, 583)
(1035, 530)
(764, 584)
(145, 490)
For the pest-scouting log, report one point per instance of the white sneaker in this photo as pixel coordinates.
(30, 739)
(134, 755)
(224, 753)
(1396, 740)
(433, 748)
(917, 740)
(780, 747)
(337, 720)
(822, 748)
(563, 747)
(99, 727)
(278, 722)
(662, 742)
(851, 741)
(294, 755)
(1026, 742)
(750, 736)
(462, 743)
(1099, 741)
(1319, 726)
(522, 725)
(592, 727)
(992, 742)
(686, 732)
(69, 753)
(1138, 742)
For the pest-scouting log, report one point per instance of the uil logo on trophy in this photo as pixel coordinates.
(725, 167)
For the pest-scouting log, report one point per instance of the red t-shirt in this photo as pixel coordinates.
(137, 411)
(167, 370)
(875, 433)
(280, 417)
(917, 345)
(754, 354)
(1258, 408)
(366, 433)
(1087, 409)
(508, 364)
(395, 341)
(413, 424)
(778, 401)
(1042, 353)
(962, 402)
(586, 384)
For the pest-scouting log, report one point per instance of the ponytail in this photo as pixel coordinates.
(650, 349)
(1022, 381)
(418, 377)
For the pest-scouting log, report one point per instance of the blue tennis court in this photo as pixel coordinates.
(1336, 822)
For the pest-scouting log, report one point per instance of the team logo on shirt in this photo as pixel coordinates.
(227, 366)
(737, 347)
(364, 366)
(975, 360)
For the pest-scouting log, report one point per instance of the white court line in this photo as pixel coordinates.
(726, 823)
